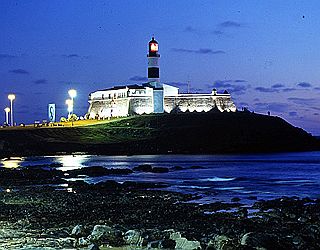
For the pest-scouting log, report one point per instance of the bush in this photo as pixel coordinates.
(63, 119)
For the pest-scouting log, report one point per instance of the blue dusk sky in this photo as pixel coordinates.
(265, 53)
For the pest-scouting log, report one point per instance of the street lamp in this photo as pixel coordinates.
(69, 103)
(11, 97)
(72, 93)
(7, 110)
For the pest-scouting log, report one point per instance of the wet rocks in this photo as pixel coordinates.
(183, 243)
(260, 240)
(143, 168)
(148, 168)
(77, 231)
(96, 171)
(133, 237)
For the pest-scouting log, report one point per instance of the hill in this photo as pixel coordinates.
(192, 133)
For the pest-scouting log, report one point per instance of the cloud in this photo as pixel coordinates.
(230, 24)
(199, 51)
(266, 90)
(231, 85)
(6, 56)
(243, 104)
(293, 113)
(272, 106)
(217, 32)
(71, 56)
(138, 78)
(315, 113)
(190, 29)
(19, 71)
(277, 85)
(41, 81)
(239, 81)
(316, 88)
(289, 89)
(304, 84)
(302, 101)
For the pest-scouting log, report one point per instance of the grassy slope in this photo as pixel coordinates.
(180, 133)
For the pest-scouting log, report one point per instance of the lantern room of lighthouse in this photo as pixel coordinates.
(153, 63)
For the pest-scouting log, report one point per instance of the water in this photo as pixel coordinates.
(265, 176)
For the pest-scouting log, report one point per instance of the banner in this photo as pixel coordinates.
(52, 112)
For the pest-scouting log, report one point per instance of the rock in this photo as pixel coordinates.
(159, 170)
(77, 231)
(133, 237)
(167, 244)
(177, 168)
(197, 167)
(235, 199)
(243, 212)
(143, 168)
(109, 184)
(93, 247)
(96, 171)
(100, 233)
(153, 244)
(183, 243)
(220, 242)
(82, 242)
(260, 240)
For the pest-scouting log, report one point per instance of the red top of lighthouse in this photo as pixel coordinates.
(153, 48)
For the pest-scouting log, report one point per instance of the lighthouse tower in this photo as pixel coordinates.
(154, 77)
(153, 63)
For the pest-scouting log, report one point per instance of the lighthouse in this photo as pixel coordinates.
(154, 77)
(153, 63)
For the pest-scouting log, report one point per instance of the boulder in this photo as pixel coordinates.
(260, 240)
(77, 231)
(133, 237)
(183, 243)
(143, 168)
(220, 242)
(160, 170)
(167, 244)
(100, 233)
(93, 247)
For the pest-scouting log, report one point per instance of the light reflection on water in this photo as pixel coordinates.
(70, 162)
(220, 178)
(13, 162)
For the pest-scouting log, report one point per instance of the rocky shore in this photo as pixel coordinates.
(41, 209)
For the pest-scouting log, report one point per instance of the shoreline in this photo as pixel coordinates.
(40, 209)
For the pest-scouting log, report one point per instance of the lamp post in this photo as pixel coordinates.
(7, 110)
(11, 97)
(69, 103)
(72, 93)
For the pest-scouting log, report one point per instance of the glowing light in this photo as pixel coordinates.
(11, 97)
(69, 103)
(8, 190)
(154, 47)
(71, 162)
(7, 110)
(72, 93)
(13, 162)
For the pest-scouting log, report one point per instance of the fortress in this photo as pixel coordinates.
(153, 96)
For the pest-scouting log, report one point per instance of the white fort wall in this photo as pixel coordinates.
(124, 102)
(199, 103)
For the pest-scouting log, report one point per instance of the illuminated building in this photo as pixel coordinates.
(153, 96)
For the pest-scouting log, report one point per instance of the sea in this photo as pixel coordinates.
(210, 178)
